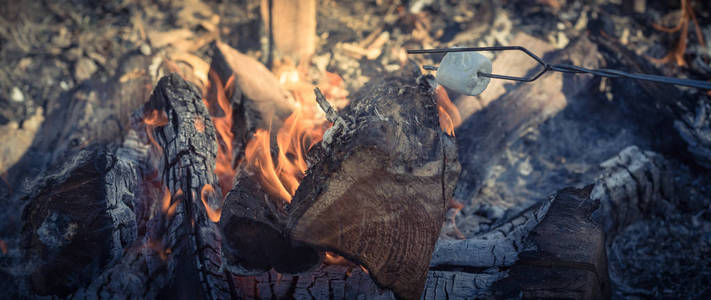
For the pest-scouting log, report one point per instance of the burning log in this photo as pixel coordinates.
(256, 95)
(380, 185)
(253, 227)
(188, 140)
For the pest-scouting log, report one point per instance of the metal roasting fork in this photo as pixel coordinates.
(699, 84)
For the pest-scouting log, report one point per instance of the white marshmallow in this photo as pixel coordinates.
(458, 71)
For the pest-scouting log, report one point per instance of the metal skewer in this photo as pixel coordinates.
(699, 84)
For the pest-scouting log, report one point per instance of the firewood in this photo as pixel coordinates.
(326, 282)
(292, 27)
(569, 258)
(97, 112)
(380, 185)
(254, 241)
(257, 98)
(499, 247)
(189, 147)
(633, 185)
(79, 221)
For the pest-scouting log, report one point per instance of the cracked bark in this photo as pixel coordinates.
(79, 222)
(634, 184)
(189, 148)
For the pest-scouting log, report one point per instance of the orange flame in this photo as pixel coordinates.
(301, 130)
(168, 206)
(158, 247)
(223, 124)
(449, 117)
(156, 118)
(213, 214)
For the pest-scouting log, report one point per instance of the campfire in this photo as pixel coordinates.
(301, 149)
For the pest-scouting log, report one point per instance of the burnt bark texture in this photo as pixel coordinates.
(498, 247)
(568, 259)
(634, 184)
(325, 282)
(79, 221)
(189, 147)
(253, 227)
(380, 185)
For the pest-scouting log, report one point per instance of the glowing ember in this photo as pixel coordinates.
(168, 206)
(157, 247)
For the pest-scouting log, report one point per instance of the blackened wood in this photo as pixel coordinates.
(498, 247)
(80, 221)
(97, 112)
(326, 282)
(633, 185)
(695, 129)
(254, 240)
(189, 148)
(445, 285)
(380, 186)
(569, 258)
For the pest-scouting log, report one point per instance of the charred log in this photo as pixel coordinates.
(254, 241)
(380, 185)
(189, 148)
(634, 184)
(80, 221)
(325, 282)
(568, 259)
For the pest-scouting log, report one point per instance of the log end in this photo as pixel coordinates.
(379, 191)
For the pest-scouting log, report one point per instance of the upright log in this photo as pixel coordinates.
(380, 185)
(189, 148)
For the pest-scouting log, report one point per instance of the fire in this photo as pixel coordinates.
(449, 117)
(212, 214)
(155, 118)
(168, 206)
(301, 130)
(223, 124)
